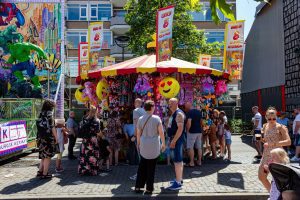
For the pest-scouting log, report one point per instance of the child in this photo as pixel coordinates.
(62, 139)
(228, 140)
(278, 155)
(105, 152)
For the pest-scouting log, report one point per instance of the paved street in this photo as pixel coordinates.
(218, 179)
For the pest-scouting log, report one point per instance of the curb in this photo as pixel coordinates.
(185, 196)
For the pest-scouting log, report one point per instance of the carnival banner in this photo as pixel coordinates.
(13, 137)
(95, 39)
(83, 59)
(204, 60)
(234, 48)
(109, 61)
(164, 24)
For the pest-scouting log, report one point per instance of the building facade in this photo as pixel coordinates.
(79, 13)
(271, 74)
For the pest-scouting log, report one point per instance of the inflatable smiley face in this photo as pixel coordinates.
(102, 89)
(169, 87)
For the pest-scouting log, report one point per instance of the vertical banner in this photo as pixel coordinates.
(95, 39)
(234, 48)
(13, 137)
(83, 59)
(204, 60)
(164, 24)
(109, 61)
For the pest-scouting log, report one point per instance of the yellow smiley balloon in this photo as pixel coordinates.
(169, 87)
(102, 89)
(78, 96)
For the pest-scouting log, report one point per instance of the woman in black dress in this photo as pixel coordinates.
(46, 138)
(89, 149)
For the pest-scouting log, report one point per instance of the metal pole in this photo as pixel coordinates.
(48, 74)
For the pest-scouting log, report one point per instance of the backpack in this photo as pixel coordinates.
(43, 127)
(84, 128)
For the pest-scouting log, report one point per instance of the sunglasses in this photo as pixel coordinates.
(271, 119)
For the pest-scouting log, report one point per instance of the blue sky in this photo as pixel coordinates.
(246, 11)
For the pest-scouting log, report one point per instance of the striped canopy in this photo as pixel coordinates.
(147, 64)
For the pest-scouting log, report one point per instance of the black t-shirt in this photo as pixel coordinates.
(196, 116)
(103, 144)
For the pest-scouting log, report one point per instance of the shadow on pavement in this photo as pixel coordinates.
(24, 186)
(235, 180)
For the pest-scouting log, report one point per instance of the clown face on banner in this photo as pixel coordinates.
(169, 87)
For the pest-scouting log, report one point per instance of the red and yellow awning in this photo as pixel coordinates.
(147, 64)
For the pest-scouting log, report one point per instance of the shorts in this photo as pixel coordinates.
(228, 141)
(177, 152)
(255, 132)
(59, 156)
(194, 140)
(297, 140)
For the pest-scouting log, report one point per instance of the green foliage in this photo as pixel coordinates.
(188, 42)
(238, 126)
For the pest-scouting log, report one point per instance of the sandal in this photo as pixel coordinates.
(47, 176)
(39, 174)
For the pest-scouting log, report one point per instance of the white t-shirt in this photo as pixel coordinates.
(258, 117)
(227, 135)
(137, 113)
(297, 119)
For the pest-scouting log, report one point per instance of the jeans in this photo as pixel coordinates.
(72, 141)
(146, 173)
(132, 154)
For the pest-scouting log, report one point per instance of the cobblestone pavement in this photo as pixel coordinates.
(238, 177)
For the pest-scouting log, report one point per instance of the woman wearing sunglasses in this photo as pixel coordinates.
(274, 136)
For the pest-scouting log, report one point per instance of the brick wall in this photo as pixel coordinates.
(291, 20)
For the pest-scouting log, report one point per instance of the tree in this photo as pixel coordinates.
(224, 7)
(188, 42)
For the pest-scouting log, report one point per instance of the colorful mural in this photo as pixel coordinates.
(33, 29)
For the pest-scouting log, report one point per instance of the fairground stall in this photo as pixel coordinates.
(117, 86)
(31, 68)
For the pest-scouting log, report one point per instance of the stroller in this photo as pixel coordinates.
(287, 180)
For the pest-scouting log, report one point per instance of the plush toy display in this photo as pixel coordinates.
(221, 87)
(102, 89)
(207, 85)
(169, 87)
(142, 86)
(78, 95)
(89, 91)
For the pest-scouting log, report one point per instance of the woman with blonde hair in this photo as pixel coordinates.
(89, 149)
(274, 136)
(279, 156)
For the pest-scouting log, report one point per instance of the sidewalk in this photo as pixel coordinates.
(213, 180)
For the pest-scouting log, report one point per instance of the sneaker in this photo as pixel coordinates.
(175, 186)
(295, 159)
(133, 178)
(59, 170)
(171, 182)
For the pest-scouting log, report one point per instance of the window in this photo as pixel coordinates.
(74, 38)
(120, 13)
(72, 64)
(205, 15)
(101, 12)
(214, 36)
(216, 63)
(107, 40)
(77, 12)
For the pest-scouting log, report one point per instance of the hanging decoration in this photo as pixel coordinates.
(169, 87)
(89, 91)
(102, 89)
(79, 95)
(142, 86)
(221, 87)
(207, 85)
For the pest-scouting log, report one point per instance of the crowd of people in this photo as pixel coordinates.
(185, 134)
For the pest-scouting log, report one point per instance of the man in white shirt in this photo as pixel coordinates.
(296, 132)
(137, 113)
(257, 122)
